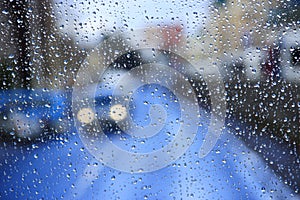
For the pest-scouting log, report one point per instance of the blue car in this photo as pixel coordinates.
(29, 113)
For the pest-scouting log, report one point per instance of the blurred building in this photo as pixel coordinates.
(248, 39)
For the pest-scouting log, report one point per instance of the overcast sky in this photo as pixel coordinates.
(86, 20)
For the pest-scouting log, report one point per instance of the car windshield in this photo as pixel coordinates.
(147, 99)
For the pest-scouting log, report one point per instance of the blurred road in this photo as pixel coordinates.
(63, 168)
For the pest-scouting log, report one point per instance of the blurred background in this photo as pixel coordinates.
(254, 44)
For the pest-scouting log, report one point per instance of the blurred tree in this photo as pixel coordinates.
(56, 57)
(33, 52)
(19, 15)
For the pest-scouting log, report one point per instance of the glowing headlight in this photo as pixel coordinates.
(117, 112)
(86, 115)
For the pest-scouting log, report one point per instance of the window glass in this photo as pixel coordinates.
(147, 99)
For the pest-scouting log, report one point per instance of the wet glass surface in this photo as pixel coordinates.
(149, 100)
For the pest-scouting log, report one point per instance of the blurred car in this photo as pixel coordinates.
(244, 65)
(290, 56)
(34, 114)
(279, 60)
(29, 114)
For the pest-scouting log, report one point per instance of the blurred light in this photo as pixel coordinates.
(86, 115)
(118, 112)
